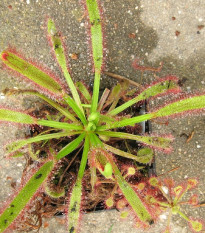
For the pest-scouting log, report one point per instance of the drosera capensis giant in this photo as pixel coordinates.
(92, 123)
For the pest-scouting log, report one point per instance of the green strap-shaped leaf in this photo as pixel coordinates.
(105, 118)
(97, 47)
(76, 109)
(95, 142)
(74, 207)
(126, 121)
(96, 33)
(75, 199)
(82, 88)
(15, 116)
(57, 106)
(61, 58)
(141, 157)
(189, 104)
(162, 86)
(70, 147)
(20, 143)
(31, 72)
(114, 96)
(153, 141)
(60, 125)
(132, 197)
(24, 196)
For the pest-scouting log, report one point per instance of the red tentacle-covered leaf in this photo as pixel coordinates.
(160, 87)
(185, 105)
(9, 115)
(26, 192)
(41, 78)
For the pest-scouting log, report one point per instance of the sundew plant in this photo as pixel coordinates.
(90, 121)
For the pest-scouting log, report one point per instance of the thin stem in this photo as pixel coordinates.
(60, 125)
(54, 104)
(183, 215)
(18, 144)
(123, 153)
(169, 218)
(97, 47)
(84, 157)
(154, 141)
(103, 99)
(125, 122)
(95, 92)
(121, 78)
(165, 195)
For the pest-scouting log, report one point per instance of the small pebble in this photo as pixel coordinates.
(2, 96)
(165, 189)
(163, 216)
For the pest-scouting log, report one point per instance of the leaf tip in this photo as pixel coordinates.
(4, 55)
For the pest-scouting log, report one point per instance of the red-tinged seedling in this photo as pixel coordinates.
(178, 190)
(194, 200)
(174, 200)
(192, 183)
(97, 125)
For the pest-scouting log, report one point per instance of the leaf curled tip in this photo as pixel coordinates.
(54, 194)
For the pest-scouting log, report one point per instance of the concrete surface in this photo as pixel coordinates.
(150, 30)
